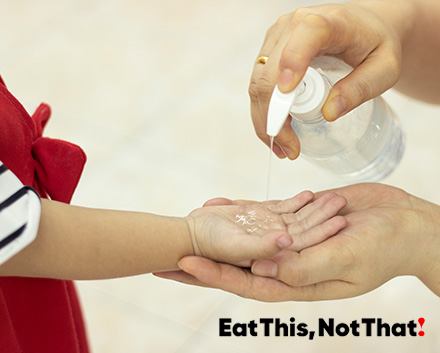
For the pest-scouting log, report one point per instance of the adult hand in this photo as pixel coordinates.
(389, 233)
(365, 34)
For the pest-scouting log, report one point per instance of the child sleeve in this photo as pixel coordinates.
(20, 210)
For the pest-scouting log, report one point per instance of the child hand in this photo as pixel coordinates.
(241, 232)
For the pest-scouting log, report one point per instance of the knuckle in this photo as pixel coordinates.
(303, 239)
(394, 66)
(278, 25)
(296, 229)
(253, 90)
(350, 263)
(301, 276)
(285, 136)
(270, 31)
(305, 197)
(292, 19)
(317, 21)
(305, 225)
(295, 270)
(299, 13)
(393, 194)
(282, 20)
(260, 87)
(330, 195)
(339, 11)
(261, 135)
(320, 16)
(363, 90)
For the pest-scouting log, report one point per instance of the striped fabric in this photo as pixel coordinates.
(20, 210)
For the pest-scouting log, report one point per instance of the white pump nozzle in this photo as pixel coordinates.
(304, 102)
(279, 108)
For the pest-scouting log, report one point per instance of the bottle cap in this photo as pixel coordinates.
(308, 102)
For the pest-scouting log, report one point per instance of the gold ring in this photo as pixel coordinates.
(262, 59)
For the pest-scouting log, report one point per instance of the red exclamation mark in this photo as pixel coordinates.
(421, 322)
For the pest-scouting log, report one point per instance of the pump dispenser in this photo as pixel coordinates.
(304, 102)
(364, 145)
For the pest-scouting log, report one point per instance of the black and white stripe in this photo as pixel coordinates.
(20, 210)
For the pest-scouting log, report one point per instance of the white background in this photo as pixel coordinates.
(156, 94)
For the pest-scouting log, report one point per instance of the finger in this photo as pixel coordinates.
(293, 204)
(180, 276)
(313, 265)
(317, 212)
(247, 247)
(306, 211)
(379, 72)
(220, 201)
(317, 234)
(274, 34)
(287, 140)
(360, 196)
(310, 35)
(262, 84)
(260, 91)
(234, 279)
(243, 283)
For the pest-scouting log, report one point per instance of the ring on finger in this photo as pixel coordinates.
(262, 59)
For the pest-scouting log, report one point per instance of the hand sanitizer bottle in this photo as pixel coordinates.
(366, 144)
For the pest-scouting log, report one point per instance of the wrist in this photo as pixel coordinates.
(429, 234)
(190, 235)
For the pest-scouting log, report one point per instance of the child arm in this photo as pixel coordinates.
(84, 243)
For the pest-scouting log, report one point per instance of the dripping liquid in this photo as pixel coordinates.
(258, 217)
(268, 171)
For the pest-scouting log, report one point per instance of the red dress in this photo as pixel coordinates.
(38, 315)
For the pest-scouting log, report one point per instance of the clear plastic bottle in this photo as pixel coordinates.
(364, 145)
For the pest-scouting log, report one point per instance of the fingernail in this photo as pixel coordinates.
(285, 80)
(280, 154)
(289, 152)
(335, 108)
(284, 241)
(265, 268)
(278, 151)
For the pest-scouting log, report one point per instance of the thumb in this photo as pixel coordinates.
(222, 201)
(218, 201)
(367, 81)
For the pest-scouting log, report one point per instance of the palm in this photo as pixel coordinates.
(369, 251)
(374, 214)
(382, 239)
(223, 232)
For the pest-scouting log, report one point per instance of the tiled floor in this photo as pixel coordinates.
(156, 93)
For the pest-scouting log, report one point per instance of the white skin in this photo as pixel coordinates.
(389, 233)
(83, 243)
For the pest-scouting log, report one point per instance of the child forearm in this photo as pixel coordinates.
(84, 243)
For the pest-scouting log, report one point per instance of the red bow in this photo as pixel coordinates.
(58, 164)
